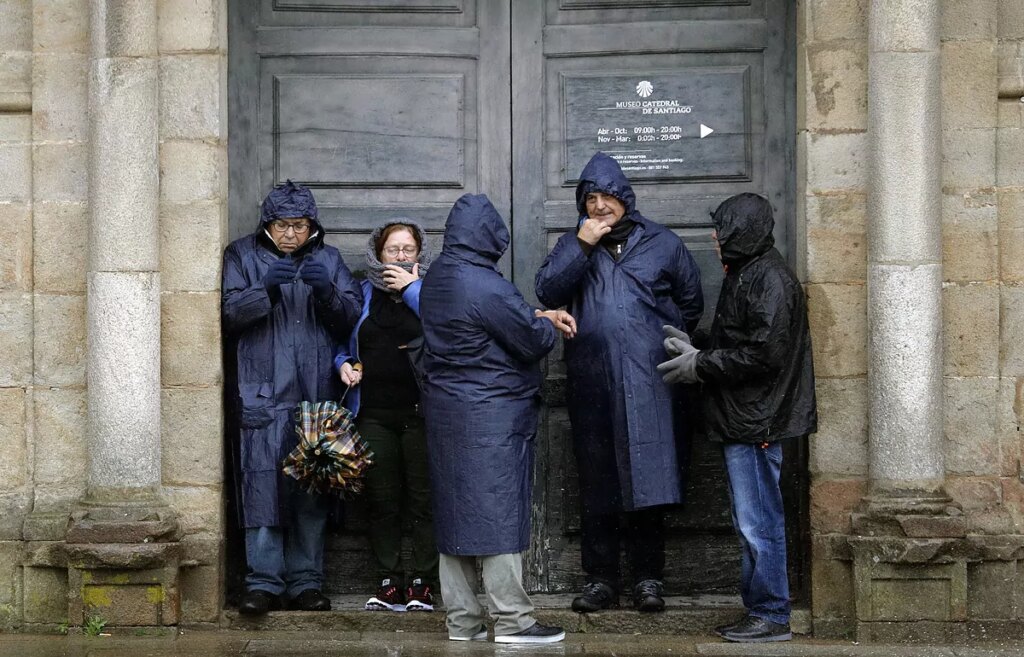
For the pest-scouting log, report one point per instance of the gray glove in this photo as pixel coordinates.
(675, 337)
(682, 368)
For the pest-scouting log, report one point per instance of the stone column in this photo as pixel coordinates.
(122, 541)
(905, 257)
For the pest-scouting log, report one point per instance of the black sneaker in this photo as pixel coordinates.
(388, 597)
(418, 597)
(757, 630)
(536, 634)
(257, 603)
(722, 629)
(647, 596)
(310, 600)
(595, 597)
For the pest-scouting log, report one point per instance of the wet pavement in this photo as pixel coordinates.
(234, 643)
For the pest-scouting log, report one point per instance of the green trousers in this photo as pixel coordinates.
(398, 491)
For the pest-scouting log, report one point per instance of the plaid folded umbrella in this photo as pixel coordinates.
(330, 456)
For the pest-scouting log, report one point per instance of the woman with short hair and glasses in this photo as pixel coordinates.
(384, 396)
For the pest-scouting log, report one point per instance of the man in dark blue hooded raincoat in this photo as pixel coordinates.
(289, 300)
(483, 347)
(622, 277)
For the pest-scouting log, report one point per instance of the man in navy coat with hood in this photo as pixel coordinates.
(622, 277)
(289, 300)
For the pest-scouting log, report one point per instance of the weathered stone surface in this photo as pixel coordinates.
(16, 27)
(1011, 236)
(189, 25)
(969, 237)
(969, 84)
(61, 172)
(60, 447)
(969, 19)
(840, 446)
(906, 26)
(60, 340)
(46, 595)
(190, 336)
(971, 412)
(13, 465)
(1010, 155)
(837, 85)
(61, 25)
(832, 501)
(836, 239)
(202, 595)
(832, 589)
(968, 159)
(1008, 427)
(838, 19)
(190, 98)
(837, 315)
(60, 97)
(916, 631)
(192, 436)
(123, 527)
(199, 509)
(124, 28)
(1011, 321)
(13, 508)
(836, 162)
(191, 241)
(16, 128)
(973, 493)
(16, 71)
(16, 163)
(971, 329)
(1010, 63)
(56, 500)
(61, 248)
(192, 171)
(15, 339)
(1010, 20)
(16, 266)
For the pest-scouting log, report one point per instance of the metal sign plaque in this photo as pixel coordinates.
(689, 124)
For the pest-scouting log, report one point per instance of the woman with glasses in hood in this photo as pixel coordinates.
(384, 396)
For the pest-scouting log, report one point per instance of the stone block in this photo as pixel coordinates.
(840, 446)
(837, 87)
(16, 266)
(970, 318)
(1008, 426)
(16, 71)
(832, 589)
(125, 596)
(1011, 320)
(838, 19)
(16, 128)
(969, 81)
(61, 253)
(836, 239)
(200, 510)
(1010, 113)
(192, 171)
(838, 320)
(61, 172)
(192, 436)
(191, 239)
(129, 29)
(1010, 156)
(16, 27)
(968, 159)
(14, 465)
(189, 25)
(969, 19)
(1012, 489)
(13, 509)
(16, 163)
(1010, 20)
(202, 594)
(832, 501)
(60, 441)
(936, 633)
(836, 162)
(15, 339)
(60, 97)
(904, 592)
(190, 97)
(61, 26)
(1011, 237)
(12, 554)
(970, 237)
(974, 493)
(60, 340)
(46, 595)
(971, 411)
(190, 338)
(56, 500)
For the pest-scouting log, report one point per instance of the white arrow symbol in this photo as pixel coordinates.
(705, 131)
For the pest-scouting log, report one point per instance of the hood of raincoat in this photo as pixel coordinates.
(288, 201)
(475, 231)
(744, 223)
(603, 174)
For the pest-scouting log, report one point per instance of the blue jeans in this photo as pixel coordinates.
(289, 560)
(760, 521)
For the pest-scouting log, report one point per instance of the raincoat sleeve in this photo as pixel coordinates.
(686, 290)
(508, 319)
(243, 302)
(763, 351)
(411, 295)
(562, 271)
(340, 311)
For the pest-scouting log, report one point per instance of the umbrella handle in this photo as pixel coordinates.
(344, 394)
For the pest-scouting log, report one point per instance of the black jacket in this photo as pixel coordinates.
(757, 370)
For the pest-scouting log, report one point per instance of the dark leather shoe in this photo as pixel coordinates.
(310, 600)
(722, 629)
(257, 603)
(595, 596)
(647, 596)
(757, 630)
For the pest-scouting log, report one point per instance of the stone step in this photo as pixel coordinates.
(683, 615)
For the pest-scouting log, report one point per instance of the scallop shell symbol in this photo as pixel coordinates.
(644, 88)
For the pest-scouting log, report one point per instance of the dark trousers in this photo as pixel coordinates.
(398, 491)
(645, 545)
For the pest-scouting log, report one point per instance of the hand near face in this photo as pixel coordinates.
(593, 230)
(397, 278)
(561, 320)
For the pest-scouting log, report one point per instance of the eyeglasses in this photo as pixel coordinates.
(281, 226)
(408, 250)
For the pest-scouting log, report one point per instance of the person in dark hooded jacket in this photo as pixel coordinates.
(289, 301)
(757, 389)
(483, 346)
(622, 277)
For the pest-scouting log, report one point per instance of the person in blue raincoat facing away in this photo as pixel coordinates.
(483, 346)
(289, 300)
(622, 277)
